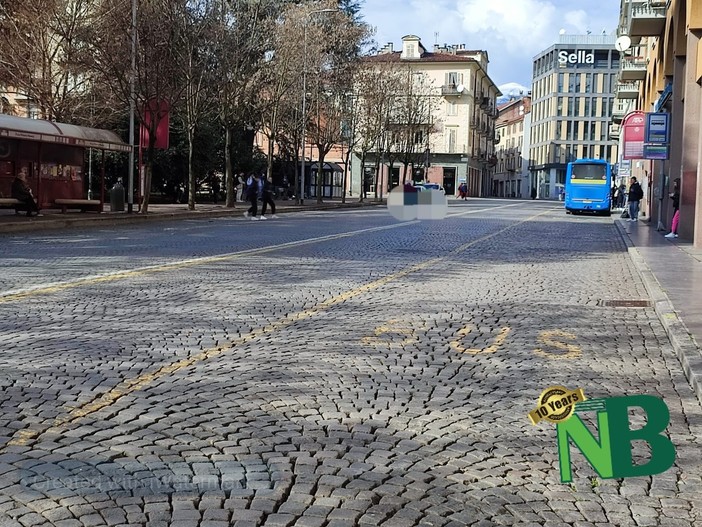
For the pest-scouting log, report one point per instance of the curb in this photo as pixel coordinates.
(110, 219)
(680, 337)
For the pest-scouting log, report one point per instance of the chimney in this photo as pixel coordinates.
(386, 49)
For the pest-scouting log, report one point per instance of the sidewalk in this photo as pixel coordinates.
(672, 273)
(54, 219)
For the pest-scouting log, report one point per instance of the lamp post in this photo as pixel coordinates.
(304, 96)
(132, 108)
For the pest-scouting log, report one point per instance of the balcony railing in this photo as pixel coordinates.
(614, 130)
(619, 110)
(647, 18)
(628, 90)
(633, 70)
(452, 90)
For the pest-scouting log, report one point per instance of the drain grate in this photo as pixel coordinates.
(626, 303)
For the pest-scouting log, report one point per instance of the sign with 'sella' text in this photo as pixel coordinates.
(576, 57)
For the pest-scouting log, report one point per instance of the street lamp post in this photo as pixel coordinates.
(304, 96)
(132, 108)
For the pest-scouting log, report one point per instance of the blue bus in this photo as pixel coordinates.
(588, 187)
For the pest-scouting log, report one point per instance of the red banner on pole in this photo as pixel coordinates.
(158, 113)
(634, 129)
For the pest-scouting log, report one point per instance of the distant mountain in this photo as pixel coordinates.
(511, 89)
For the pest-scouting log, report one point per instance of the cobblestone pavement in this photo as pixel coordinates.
(287, 373)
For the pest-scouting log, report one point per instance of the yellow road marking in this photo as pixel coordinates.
(548, 338)
(11, 296)
(465, 331)
(392, 326)
(128, 386)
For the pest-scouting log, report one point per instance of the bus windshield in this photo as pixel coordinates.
(589, 172)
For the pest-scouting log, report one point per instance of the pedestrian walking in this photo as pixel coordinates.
(621, 196)
(214, 185)
(240, 188)
(675, 196)
(635, 196)
(267, 196)
(462, 191)
(251, 192)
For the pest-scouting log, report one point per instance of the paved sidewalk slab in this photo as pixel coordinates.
(672, 273)
(54, 219)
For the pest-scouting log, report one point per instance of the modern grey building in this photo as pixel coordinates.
(573, 90)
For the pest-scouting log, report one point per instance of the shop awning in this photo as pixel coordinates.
(328, 166)
(60, 133)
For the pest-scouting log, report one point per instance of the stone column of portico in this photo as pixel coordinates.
(690, 142)
(676, 133)
(693, 200)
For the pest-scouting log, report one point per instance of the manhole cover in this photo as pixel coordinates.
(626, 303)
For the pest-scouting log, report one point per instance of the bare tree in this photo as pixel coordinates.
(332, 57)
(243, 38)
(39, 49)
(158, 76)
(195, 22)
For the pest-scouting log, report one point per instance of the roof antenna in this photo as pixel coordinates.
(436, 37)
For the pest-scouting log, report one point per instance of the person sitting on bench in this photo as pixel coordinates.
(22, 192)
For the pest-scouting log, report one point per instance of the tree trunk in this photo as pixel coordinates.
(269, 168)
(231, 190)
(389, 181)
(320, 174)
(345, 178)
(377, 178)
(191, 171)
(297, 177)
(147, 178)
(362, 194)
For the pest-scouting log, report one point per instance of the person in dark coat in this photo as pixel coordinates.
(22, 192)
(267, 197)
(251, 193)
(636, 194)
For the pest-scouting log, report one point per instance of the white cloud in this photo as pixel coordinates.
(512, 31)
(519, 25)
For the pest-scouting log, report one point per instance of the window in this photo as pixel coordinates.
(451, 108)
(588, 82)
(454, 78)
(418, 137)
(572, 83)
(586, 113)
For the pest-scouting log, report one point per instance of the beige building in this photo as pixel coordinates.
(511, 178)
(460, 146)
(662, 72)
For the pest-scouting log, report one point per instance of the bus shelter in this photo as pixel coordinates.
(53, 157)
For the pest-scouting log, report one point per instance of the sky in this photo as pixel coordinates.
(512, 31)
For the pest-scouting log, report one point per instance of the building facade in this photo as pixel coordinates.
(460, 145)
(662, 72)
(511, 178)
(573, 92)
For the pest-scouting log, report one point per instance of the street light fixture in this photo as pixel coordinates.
(304, 96)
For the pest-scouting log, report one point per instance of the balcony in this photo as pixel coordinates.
(627, 90)
(451, 90)
(633, 70)
(485, 103)
(619, 111)
(647, 18)
(614, 132)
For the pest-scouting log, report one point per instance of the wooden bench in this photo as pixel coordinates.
(81, 204)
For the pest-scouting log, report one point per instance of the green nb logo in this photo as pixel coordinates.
(611, 456)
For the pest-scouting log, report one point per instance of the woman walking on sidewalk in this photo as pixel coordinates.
(675, 196)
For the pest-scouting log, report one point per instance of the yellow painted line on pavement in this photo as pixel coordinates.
(130, 385)
(12, 296)
(492, 348)
(552, 339)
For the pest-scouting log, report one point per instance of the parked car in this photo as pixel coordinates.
(433, 186)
